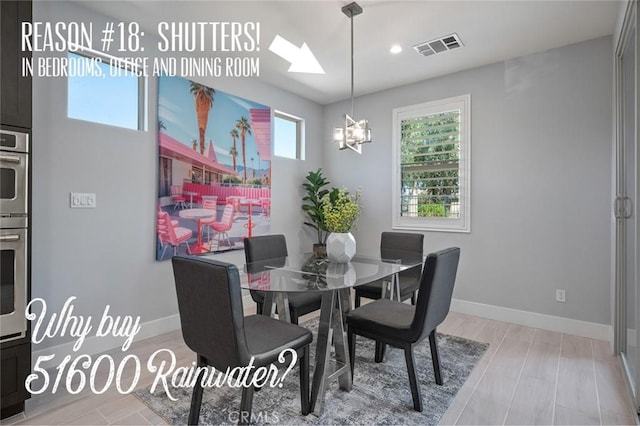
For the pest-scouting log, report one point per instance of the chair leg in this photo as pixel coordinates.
(259, 308)
(381, 349)
(245, 406)
(304, 381)
(294, 316)
(435, 357)
(196, 399)
(357, 300)
(414, 298)
(413, 379)
(351, 340)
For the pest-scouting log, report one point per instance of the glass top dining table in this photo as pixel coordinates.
(296, 273)
(305, 272)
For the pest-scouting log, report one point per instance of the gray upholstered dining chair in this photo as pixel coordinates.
(269, 247)
(213, 326)
(402, 325)
(392, 243)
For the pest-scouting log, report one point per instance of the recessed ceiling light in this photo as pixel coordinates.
(395, 49)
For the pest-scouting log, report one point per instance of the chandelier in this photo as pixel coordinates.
(355, 132)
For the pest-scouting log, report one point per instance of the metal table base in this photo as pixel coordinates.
(331, 328)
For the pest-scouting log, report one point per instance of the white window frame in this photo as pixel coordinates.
(463, 223)
(142, 95)
(300, 131)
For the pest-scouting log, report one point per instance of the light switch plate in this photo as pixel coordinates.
(82, 200)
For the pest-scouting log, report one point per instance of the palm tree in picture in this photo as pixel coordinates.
(161, 126)
(204, 101)
(233, 151)
(245, 128)
(194, 143)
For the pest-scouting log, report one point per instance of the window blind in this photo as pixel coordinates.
(430, 165)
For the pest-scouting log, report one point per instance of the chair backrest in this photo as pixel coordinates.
(436, 289)
(227, 215)
(265, 247)
(210, 307)
(394, 244)
(163, 223)
(210, 205)
(166, 229)
(176, 190)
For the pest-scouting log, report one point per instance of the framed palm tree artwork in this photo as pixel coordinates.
(214, 169)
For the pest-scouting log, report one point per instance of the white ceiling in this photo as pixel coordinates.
(491, 31)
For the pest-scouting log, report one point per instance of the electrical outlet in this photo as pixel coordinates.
(560, 295)
(83, 200)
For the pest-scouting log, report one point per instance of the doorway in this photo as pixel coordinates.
(627, 190)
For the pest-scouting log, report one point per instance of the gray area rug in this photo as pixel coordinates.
(380, 394)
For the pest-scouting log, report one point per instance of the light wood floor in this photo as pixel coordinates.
(527, 376)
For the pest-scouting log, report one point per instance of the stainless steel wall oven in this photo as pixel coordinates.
(16, 171)
(14, 196)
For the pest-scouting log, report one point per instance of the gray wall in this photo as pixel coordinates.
(541, 168)
(541, 178)
(106, 255)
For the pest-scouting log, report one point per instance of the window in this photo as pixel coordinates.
(196, 175)
(208, 177)
(288, 136)
(165, 177)
(431, 167)
(105, 94)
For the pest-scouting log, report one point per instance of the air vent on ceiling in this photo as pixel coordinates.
(439, 45)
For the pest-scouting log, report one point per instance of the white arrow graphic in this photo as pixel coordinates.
(301, 58)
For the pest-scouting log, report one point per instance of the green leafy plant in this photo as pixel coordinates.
(314, 184)
(431, 210)
(340, 209)
(231, 179)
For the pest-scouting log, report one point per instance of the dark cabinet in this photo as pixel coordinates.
(15, 364)
(15, 90)
(15, 115)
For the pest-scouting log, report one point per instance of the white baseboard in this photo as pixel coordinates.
(96, 345)
(532, 319)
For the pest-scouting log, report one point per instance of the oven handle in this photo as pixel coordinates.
(10, 158)
(9, 238)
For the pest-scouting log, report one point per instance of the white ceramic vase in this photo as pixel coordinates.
(341, 247)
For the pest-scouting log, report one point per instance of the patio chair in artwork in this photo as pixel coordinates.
(170, 235)
(208, 221)
(179, 200)
(222, 227)
(174, 222)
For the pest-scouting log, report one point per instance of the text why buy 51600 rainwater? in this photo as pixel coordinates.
(185, 49)
(78, 371)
